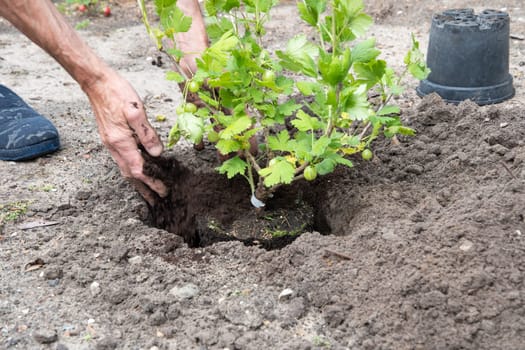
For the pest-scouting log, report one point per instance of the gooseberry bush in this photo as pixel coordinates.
(307, 106)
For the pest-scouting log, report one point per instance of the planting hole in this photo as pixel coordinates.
(204, 207)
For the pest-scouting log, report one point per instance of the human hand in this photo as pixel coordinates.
(123, 125)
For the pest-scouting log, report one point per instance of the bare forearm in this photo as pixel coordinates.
(45, 26)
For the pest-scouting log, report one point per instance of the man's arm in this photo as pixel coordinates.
(119, 111)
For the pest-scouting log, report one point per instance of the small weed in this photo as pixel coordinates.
(44, 188)
(12, 211)
(82, 24)
(321, 341)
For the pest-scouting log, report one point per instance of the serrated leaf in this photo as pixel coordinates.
(360, 24)
(287, 108)
(237, 127)
(300, 56)
(174, 76)
(172, 18)
(228, 146)
(326, 166)
(306, 87)
(388, 110)
(365, 51)
(173, 136)
(320, 145)
(281, 172)
(356, 102)
(191, 127)
(217, 27)
(304, 122)
(310, 10)
(419, 71)
(279, 142)
(232, 167)
(371, 72)
(213, 6)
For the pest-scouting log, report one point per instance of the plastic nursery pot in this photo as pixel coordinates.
(468, 55)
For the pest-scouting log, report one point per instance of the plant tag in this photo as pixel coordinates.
(256, 202)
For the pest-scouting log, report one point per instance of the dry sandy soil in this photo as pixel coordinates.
(425, 251)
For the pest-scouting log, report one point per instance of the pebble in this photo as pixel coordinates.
(45, 336)
(466, 245)
(136, 260)
(53, 273)
(286, 294)
(94, 288)
(414, 169)
(187, 291)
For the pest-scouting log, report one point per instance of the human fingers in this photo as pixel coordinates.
(131, 163)
(147, 136)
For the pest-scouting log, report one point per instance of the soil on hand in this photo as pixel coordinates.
(422, 247)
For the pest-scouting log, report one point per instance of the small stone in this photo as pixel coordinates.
(53, 283)
(414, 169)
(45, 336)
(499, 149)
(158, 318)
(53, 273)
(136, 260)
(286, 294)
(154, 348)
(466, 245)
(187, 291)
(83, 195)
(94, 288)
(106, 343)
(503, 125)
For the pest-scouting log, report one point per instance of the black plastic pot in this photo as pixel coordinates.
(469, 57)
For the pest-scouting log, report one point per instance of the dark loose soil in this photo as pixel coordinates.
(422, 247)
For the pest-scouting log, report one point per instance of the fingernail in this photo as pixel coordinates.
(155, 150)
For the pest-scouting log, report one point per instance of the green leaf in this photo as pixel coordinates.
(217, 27)
(213, 6)
(171, 17)
(233, 166)
(334, 68)
(304, 122)
(371, 72)
(356, 102)
(326, 166)
(228, 146)
(399, 129)
(280, 142)
(330, 162)
(388, 110)
(310, 10)
(174, 135)
(191, 127)
(360, 24)
(306, 87)
(300, 56)
(288, 108)
(320, 145)
(174, 76)
(237, 127)
(215, 57)
(365, 51)
(419, 71)
(281, 172)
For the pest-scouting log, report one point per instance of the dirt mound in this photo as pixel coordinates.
(422, 249)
